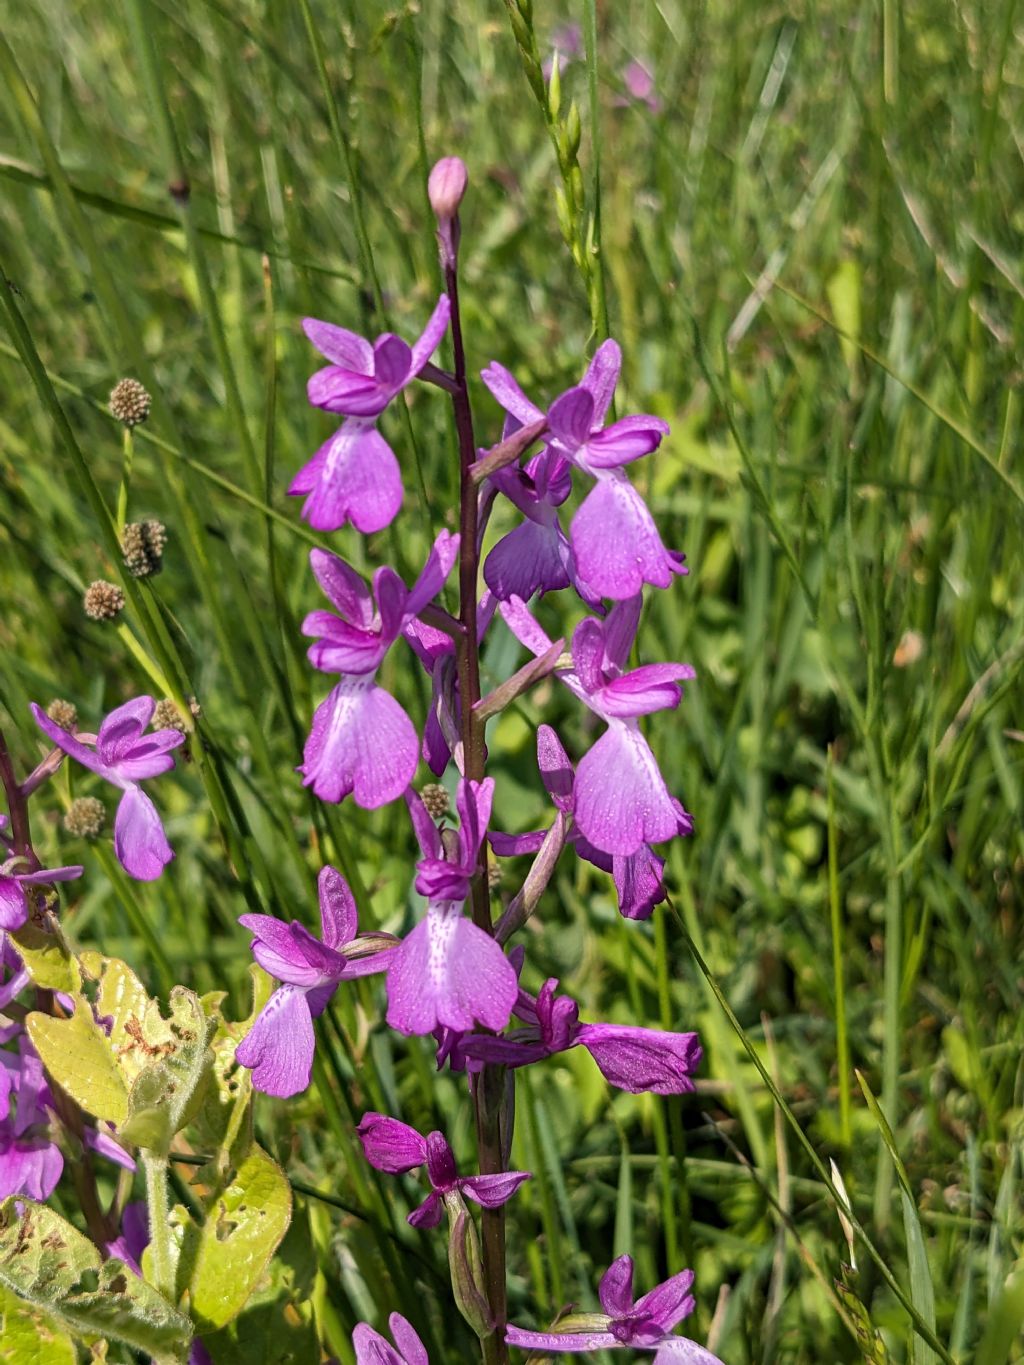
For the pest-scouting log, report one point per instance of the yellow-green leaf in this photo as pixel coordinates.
(28, 1336)
(48, 960)
(77, 1055)
(244, 1225)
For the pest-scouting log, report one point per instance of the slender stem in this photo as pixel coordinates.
(126, 479)
(489, 1090)
(155, 1168)
(17, 808)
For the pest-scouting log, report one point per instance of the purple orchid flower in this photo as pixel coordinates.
(620, 798)
(638, 877)
(614, 540)
(125, 756)
(566, 46)
(634, 1059)
(362, 741)
(278, 1049)
(394, 1147)
(13, 900)
(373, 1349)
(354, 476)
(17, 980)
(536, 556)
(436, 651)
(639, 83)
(645, 1325)
(30, 1164)
(448, 972)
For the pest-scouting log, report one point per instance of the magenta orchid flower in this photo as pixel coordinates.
(634, 1059)
(620, 798)
(536, 556)
(645, 1325)
(362, 741)
(278, 1049)
(373, 1349)
(394, 1147)
(14, 905)
(614, 540)
(30, 1164)
(125, 756)
(638, 876)
(448, 972)
(354, 476)
(436, 651)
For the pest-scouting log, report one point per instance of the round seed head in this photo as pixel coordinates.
(143, 545)
(129, 402)
(493, 875)
(103, 601)
(166, 716)
(63, 713)
(85, 818)
(435, 798)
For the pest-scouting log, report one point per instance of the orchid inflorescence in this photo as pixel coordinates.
(453, 975)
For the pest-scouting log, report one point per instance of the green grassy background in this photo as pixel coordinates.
(811, 255)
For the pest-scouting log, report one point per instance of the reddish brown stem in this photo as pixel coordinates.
(489, 1086)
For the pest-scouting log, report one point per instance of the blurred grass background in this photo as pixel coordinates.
(810, 250)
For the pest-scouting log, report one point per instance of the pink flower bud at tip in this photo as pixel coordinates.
(446, 186)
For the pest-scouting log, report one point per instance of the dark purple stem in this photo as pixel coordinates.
(490, 1084)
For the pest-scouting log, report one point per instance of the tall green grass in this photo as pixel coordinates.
(810, 253)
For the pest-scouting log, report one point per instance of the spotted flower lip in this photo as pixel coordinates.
(646, 1324)
(449, 973)
(125, 756)
(615, 543)
(394, 1147)
(354, 476)
(621, 800)
(373, 1349)
(278, 1049)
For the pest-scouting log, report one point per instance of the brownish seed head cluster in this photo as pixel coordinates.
(166, 716)
(129, 402)
(85, 817)
(435, 798)
(143, 545)
(103, 601)
(63, 713)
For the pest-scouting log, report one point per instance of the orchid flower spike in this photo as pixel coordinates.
(362, 741)
(645, 1325)
(620, 798)
(373, 1349)
(615, 543)
(278, 1049)
(638, 876)
(354, 476)
(124, 755)
(448, 972)
(394, 1147)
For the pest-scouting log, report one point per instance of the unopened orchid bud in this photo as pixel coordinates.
(446, 186)
(466, 1266)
